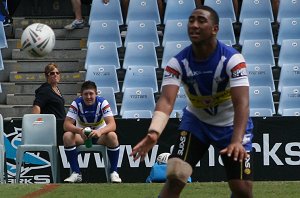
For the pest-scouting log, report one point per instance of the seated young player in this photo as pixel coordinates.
(90, 110)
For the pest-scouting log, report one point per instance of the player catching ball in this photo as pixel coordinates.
(217, 113)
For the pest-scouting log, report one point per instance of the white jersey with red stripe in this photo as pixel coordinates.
(207, 83)
(90, 116)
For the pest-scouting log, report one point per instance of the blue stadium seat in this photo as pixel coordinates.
(288, 9)
(224, 8)
(289, 29)
(143, 10)
(289, 99)
(137, 114)
(261, 101)
(258, 52)
(109, 11)
(142, 31)
(109, 95)
(171, 49)
(180, 104)
(256, 9)
(102, 53)
(178, 10)
(289, 52)
(1, 62)
(103, 76)
(140, 54)
(175, 30)
(291, 112)
(260, 75)
(289, 76)
(226, 31)
(104, 31)
(140, 76)
(3, 42)
(256, 29)
(138, 99)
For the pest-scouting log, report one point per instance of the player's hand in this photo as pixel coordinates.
(95, 134)
(235, 150)
(83, 136)
(143, 147)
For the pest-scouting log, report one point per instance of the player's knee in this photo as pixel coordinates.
(112, 139)
(178, 170)
(68, 138)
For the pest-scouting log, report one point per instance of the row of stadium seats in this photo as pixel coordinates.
(174, 10)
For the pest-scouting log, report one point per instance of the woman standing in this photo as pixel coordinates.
(48, 98)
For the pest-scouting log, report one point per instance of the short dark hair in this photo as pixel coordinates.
(89, 85)
(214, 15)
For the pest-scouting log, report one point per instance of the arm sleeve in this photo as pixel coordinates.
(237, 71)
(172, 74)
(41, 98)
(105, 108)
(73, 111)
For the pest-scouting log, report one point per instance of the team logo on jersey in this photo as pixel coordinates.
(73, 109)
(239, 70)
(170, 73)
(106, 109)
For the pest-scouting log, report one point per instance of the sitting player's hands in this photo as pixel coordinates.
(95, 134)
(235, 150)
(143, 147)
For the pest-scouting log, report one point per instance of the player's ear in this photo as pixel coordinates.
(215, 29)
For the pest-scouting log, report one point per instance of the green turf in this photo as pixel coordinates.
(130, 190)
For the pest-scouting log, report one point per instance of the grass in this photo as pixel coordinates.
(142, 190)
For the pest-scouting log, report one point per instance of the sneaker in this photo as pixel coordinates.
(7, 22)
(115, 178)
(75, 24)
(74, 178)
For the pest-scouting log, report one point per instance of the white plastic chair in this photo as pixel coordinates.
(102, 53)
(289, 76)
(3, 41)
(138, 99)
(143, 10)
(256, 9)
(137, 114)
(109, 95)
(142, 31)
(288, 9)
(224, 8)
(289, 52)
(175, 30)
(260, 75)
(289, 29)
(38, 134)
(178, 9)
(104, 31)
(103, 76)
(140, 54)
(261, 101)
(108, 11)
(226, 31)
(3, 167)
(100, 149)
(289, 99)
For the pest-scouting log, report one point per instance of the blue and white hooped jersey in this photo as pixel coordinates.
(207, 83)
(90, 116)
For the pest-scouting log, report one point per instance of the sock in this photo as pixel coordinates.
(113, 155)
(72, 157)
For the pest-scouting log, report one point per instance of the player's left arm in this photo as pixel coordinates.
(240, 100)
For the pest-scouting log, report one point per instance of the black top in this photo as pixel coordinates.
(49, 101)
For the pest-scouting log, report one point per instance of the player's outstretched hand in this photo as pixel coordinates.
(143, 147)
(235, 150)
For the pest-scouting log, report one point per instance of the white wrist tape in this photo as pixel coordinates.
(159, 122)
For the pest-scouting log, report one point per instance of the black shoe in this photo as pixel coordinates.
(7, 22)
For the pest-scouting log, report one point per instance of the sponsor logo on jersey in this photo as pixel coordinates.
(73, 109)
(171, 73)
(239, 70)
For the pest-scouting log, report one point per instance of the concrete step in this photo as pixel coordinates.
(61, 33)
(15, 110)
(40, 77)
(37, 66)
(55, 55)
(21, 99)
(59, 44)
(22, 22)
